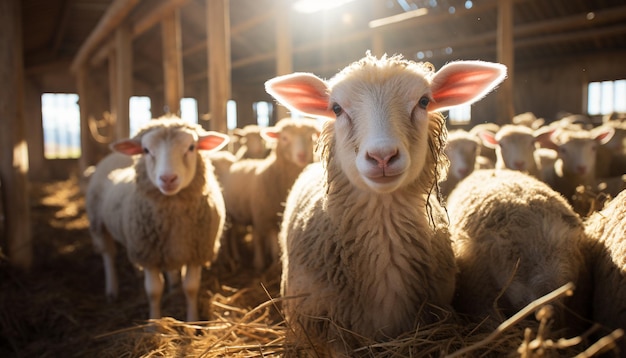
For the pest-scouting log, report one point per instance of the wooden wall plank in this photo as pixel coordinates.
(505, 55)
(284, 48)
(13, 150)
(123, 80)
(172, 61)
(218, 45)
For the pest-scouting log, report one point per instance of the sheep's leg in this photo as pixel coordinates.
(109, 251)
(153, 283)
(191, 286)
(110, 275)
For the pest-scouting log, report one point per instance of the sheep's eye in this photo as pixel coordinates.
(192, 147)
(423, 102)
(146, 150)
(337, 109)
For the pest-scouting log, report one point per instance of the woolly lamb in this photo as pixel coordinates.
(607, 229)
(365, 245)
(576, 160)
(167, 208)
(514, 234)
(515, 148)
(485, 151)
(252, 145)
(462, 149)
(256, 189)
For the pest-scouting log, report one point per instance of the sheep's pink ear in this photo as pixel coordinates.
(603, 134)
(301, 92)
(488, 139)
(464, 82)
(270, 134)
(127, 146)
(212, 141)
(544, 136)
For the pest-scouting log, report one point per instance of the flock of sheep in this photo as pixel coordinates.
(375, 235)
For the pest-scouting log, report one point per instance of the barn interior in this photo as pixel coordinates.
(219, 53)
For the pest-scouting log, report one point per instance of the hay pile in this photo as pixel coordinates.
(59, 308)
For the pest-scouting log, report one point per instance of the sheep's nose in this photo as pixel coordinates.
(518, 164)
(581, 169)
(382, 159)
(463, 172)
(168, 178)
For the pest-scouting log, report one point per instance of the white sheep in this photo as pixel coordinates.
(607, 230)
(365, 242)
(576, 162)
(256, 189)
(515, 235)
(462, 149)
(515, 148)
(251, 143)
(166, 209)
(485, 151)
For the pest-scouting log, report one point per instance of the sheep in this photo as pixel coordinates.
(529, 120)
(576, 160)
(252, 145)
(515, 235)
(607, 232)
(611, 157)
(365, 246)
(462, 150)
(166, 209)
(485, 151)
(255, 189)
(514, 146)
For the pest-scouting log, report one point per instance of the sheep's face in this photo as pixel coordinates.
(516, 151)
(381, 130)
(295, 140)
(462, 154)
(170, 158)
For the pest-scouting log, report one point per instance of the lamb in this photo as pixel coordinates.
(607, 230)
(166, 209)
(255, 189)
(576, 160)
(514, 234)
(365, 246)
(485, 151)
(462, 149)
(252, 145)
(515, 148)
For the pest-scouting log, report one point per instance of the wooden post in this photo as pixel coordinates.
(284, 48)
(506, 56)
(85, 85)
(123, 80)
(172, 61)
(218, 46)
(14, 150)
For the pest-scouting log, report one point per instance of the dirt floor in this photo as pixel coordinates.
(59, 309)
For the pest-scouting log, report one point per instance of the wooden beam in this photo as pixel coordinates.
(14, 149)
(114, 16)
(506, 56)
(172, 62)
(85, 85)
(284, 48)
(145, 23)
(124, 80)
(218, 45)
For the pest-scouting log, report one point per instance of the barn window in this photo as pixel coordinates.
(460, 114)
(263, 112)
(231, 114)
(189, 110)
(61, 125)
(140, 113)
(606, 97)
